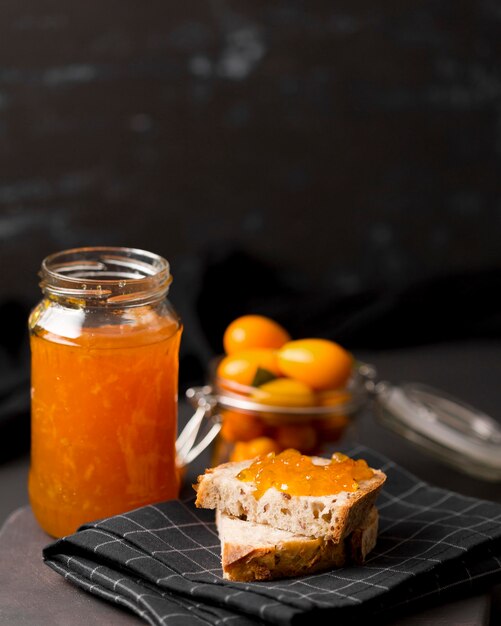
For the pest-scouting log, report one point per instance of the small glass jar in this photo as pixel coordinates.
(245, 424)
(104, 344)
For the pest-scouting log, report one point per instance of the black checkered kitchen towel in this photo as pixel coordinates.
(163, 561)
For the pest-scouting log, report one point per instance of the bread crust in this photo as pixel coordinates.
(255, 552)
(331, 517)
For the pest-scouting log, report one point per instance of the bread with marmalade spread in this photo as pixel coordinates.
(251, 552)
(330, 517)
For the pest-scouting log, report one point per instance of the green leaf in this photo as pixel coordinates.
(262, 376)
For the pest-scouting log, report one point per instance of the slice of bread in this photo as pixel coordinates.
(251, 552)
(331, 517)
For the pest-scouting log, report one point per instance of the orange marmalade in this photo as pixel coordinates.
(296, 474)
(104, 407)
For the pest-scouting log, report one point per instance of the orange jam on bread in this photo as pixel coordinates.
(297, 475)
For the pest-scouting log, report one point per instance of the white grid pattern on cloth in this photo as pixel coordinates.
(135, 589)
(158, 543)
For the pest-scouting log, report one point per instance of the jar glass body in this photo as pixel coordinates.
(274, 423)
(104, 391)
(245, 434)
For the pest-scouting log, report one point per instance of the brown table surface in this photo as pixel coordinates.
(32, 594)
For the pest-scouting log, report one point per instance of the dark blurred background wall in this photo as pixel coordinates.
(282, 149)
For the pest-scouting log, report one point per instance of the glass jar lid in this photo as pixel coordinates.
(451, 430)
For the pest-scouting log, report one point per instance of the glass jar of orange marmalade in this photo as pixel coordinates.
(104, 345)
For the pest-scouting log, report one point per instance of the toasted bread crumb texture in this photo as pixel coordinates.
(252, 552)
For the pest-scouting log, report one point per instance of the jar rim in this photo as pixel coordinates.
(111, 274)
(229, 395)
